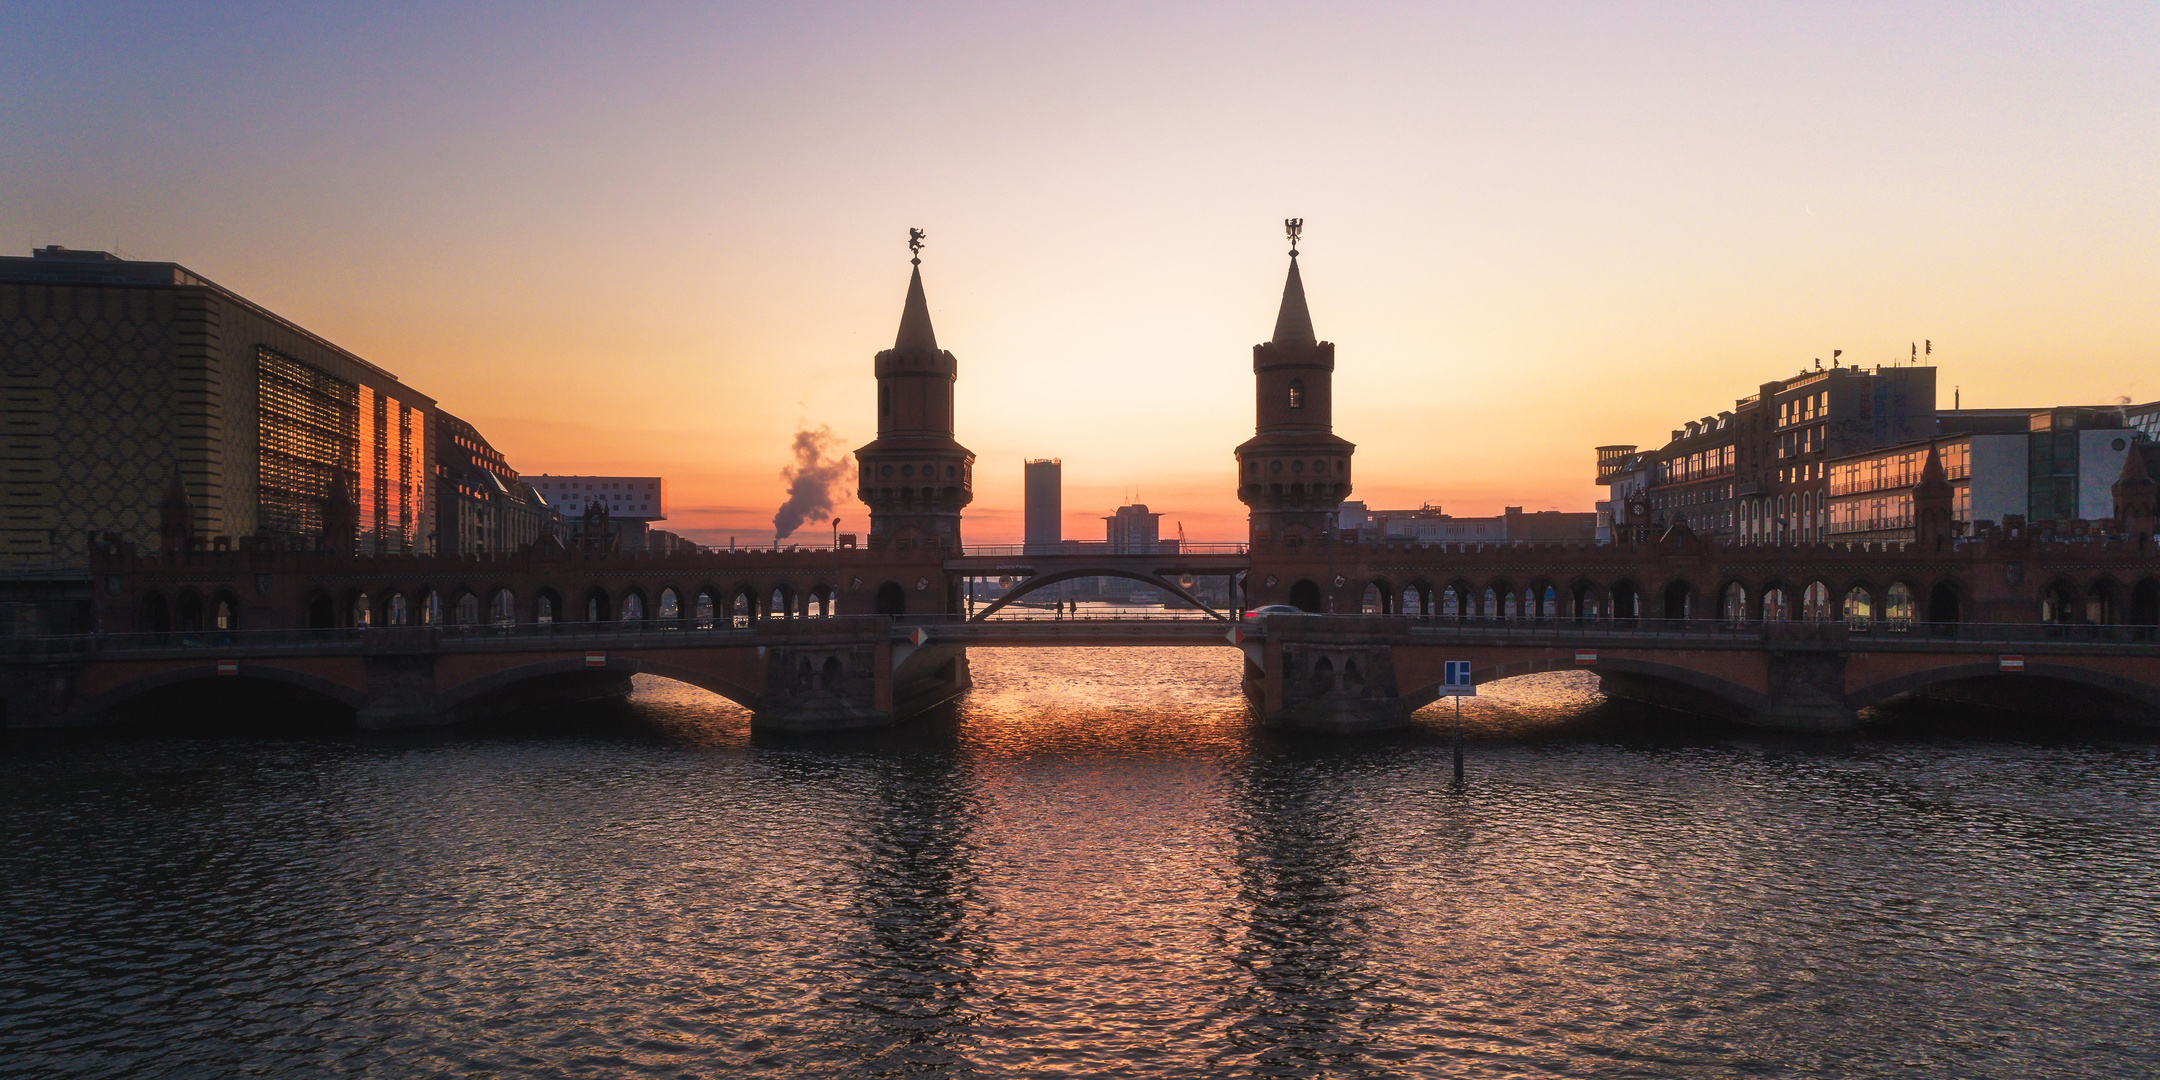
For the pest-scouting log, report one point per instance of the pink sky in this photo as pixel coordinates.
(661, 241)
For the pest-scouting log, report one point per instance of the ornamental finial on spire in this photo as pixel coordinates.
(914, 245)
(1293, 226)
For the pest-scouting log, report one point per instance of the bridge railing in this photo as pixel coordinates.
(1104, 548)
(1797, 630)
(722, 630)
(567, 635)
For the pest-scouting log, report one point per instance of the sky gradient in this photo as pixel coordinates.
(664, 240)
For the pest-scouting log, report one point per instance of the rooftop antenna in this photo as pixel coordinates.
(914, 246)
(1293, 226)
(1957, 395)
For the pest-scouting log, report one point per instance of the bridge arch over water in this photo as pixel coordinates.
(1030, 584)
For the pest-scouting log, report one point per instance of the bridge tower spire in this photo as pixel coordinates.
(1294, 473)
(915, 477)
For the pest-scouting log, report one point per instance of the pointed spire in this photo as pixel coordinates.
(2134, 470)
(1293, 325)
(176, 493)
(1932, 474)
(915, 332)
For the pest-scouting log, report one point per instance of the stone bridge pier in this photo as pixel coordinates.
(1326, 675)
(817, 688)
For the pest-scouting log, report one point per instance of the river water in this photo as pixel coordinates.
(1092, 866)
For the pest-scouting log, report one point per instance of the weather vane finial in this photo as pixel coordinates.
(1293, 226)
(914, 245)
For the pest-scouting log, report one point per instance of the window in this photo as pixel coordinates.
(1297, 393)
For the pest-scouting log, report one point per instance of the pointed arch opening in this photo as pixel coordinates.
(224, 611)
(1859, 608)
(1897, 612)
(1679, 600)
(1733, 604)
(1945, 605)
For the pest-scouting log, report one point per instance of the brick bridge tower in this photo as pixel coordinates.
(915, 477)
(1294, 472)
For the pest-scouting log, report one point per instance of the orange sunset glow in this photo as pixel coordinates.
(662, 241)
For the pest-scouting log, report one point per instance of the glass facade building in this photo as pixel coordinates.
(320, 437)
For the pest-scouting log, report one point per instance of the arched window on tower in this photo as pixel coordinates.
(1297, 393)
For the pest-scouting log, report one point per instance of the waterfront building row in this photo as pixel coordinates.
(119, 374)
(1834, 454)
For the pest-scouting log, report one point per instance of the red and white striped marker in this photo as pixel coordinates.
(228, 667)
(1585, 658)
(2010, 663)
(596, 659)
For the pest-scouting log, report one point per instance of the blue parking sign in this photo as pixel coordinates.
(1455, 679)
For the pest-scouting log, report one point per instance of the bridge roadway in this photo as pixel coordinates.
(1321, 672)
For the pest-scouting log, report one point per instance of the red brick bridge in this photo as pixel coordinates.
(824, 639)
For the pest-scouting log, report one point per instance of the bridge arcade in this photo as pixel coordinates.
(1795, 636)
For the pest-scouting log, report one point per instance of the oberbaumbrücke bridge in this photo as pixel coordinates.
(1797, 636)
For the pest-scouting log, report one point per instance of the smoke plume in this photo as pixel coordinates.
(818, 478)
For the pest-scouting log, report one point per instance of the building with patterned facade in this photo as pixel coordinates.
(117, 373)
(481, 502)
(628, 498)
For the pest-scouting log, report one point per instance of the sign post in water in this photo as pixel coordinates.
(1455, 683)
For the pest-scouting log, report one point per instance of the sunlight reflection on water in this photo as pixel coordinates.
(1094, 864)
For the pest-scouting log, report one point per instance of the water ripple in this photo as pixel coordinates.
(1095, 865)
